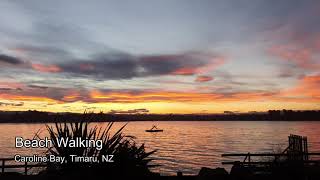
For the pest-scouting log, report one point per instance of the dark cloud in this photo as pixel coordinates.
(126, 66)
(114, 64)
(38, 87)
(228, 112)
(17, 63)
(53, 93)
(10, 60)
(111, 66)
(5, 89)
(169, 64)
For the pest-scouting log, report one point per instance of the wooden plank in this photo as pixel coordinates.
(7, 159)
(264, 162)
(246, 163)
(266, 154)
(23, 165)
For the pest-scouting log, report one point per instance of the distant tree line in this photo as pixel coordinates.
(271, 115)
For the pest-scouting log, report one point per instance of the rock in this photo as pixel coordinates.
(240, 172)
(208, 173)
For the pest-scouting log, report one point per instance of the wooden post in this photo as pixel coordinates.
(3, 166)
(305, 149)
(301, 149)
(25, 168)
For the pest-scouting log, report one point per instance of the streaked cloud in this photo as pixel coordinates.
(130, 111)
(46, 68)
(11, 104)
(204, 78)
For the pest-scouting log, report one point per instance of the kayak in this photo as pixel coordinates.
(154, 130)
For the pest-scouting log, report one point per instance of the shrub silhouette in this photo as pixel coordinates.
(129, 158)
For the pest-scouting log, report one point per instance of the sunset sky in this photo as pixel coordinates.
(166, 56)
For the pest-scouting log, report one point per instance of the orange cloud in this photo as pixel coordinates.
(307, 88)
(301, 49)
(185, 71)
(204, 78)
(166, 96)
(73, 96)
(161, 96)
(46, 68)
(302, 57)
(14, 85)
(27, 98)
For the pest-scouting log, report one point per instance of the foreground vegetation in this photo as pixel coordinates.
(129, 158)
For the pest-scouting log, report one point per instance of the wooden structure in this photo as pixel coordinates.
(296, 151)
(298, 148)
(7, 163)
(249, 156)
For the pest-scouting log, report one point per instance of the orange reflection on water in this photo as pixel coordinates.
(188, 146)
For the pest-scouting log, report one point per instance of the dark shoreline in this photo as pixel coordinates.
(48, 117)
(167, 121)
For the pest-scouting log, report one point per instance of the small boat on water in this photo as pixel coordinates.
(154, 129)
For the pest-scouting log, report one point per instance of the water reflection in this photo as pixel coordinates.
(188, 146)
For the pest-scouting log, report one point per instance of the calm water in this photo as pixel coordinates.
(188, 146)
